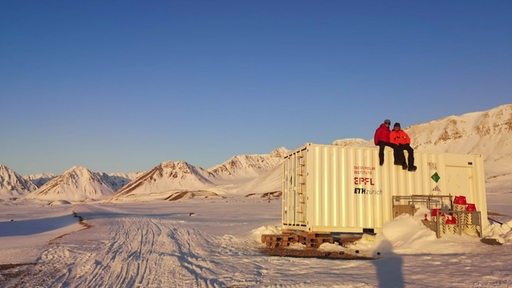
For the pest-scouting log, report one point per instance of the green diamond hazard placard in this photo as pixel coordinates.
(435, 177)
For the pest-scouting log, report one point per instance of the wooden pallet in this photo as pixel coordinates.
(310, 240)
(315, 240)
(279, 245)
(315, 253)
(279, 240)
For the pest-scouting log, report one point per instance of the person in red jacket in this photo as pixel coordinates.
(381, 139)
(403, 142)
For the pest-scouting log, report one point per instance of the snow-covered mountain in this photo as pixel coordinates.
(267, 182)
(247, 166)
(165, 179)
(353, 142)
(40, 179)
(119, 180)
(13, 185)
(76, 184)
(488, 133)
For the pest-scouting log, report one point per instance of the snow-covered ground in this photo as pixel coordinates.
(210, 237)
(215, 243)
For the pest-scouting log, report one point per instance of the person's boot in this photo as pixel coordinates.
(404, 166)
(412, 168)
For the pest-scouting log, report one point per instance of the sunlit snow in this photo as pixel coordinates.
(213, 239)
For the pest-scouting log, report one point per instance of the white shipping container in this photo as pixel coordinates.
(329, 188)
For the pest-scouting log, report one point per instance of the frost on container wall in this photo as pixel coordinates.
(329, 188)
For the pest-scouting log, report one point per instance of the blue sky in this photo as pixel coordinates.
(120, 86)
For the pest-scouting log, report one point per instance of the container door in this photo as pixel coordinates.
(459, 180)
(294, 190)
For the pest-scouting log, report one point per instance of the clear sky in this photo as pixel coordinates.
(121, 86)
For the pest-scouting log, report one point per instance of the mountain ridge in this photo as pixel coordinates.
(12, 184)
(75, 184)
(249, 166)
(488, 133)
(166, 177)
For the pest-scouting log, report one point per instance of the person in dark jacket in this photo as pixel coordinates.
(382, 140)
(402, 141)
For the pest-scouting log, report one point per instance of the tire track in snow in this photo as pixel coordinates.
(136, 247)
(217, 261)
(124, 260)
(192, 258)
(141, 252)
(131, 251)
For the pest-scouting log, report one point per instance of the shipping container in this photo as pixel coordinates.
(329, 188)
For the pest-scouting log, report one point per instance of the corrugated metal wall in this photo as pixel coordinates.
(343, 189)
